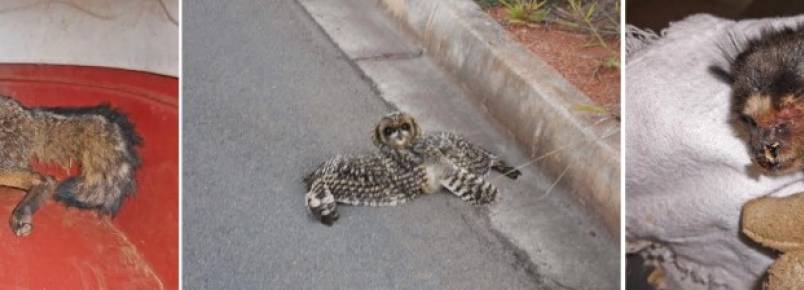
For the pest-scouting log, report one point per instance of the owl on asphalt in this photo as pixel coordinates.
(406, 165)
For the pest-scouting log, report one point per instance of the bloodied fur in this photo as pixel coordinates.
(767, 79)
(99, 139)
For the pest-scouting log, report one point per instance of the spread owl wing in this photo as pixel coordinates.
(370, 180)
(464, 154)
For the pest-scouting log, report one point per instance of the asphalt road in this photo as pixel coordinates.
(267, 96)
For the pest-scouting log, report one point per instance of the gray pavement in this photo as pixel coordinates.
(268, 96)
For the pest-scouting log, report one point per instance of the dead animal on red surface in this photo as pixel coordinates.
(100, 139)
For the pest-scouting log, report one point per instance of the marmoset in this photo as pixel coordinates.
(767, 80)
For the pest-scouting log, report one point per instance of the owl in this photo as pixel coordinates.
(449, 160)
(405, 166)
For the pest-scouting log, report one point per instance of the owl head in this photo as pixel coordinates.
(396, 130)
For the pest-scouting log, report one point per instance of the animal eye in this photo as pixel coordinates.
(748, 120)
(405, 127)
(388, 131)
(782, 128)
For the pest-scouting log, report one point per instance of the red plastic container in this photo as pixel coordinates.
(72, 249)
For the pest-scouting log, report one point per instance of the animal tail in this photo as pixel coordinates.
(505, 169)
(468, 186)
(105, 144)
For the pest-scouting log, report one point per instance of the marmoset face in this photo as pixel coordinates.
(775, 127)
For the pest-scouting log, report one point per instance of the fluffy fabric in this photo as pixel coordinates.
(688, 173)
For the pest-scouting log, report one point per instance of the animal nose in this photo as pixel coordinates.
(772, 150)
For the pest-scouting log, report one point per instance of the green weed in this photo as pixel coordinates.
(588, 16)
(525, 11)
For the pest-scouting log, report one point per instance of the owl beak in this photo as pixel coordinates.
(398, 138)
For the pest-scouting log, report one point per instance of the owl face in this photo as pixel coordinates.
(397, 130)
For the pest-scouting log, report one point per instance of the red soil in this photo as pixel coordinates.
(576, 55)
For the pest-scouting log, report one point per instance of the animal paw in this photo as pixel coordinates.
(21, 224)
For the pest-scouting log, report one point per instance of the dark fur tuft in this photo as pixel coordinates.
(770, 64)
(721, 74)
(66, 191)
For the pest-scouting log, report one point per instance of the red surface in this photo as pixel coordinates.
(71, 249)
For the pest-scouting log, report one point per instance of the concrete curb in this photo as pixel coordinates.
(523, 93)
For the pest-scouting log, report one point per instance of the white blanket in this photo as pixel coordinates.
(687, 172)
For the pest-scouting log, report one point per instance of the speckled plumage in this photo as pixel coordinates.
(99, 139)
(465, 154)
(370, 180)
(405, 166)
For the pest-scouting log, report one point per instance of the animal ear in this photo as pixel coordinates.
(721, 74)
